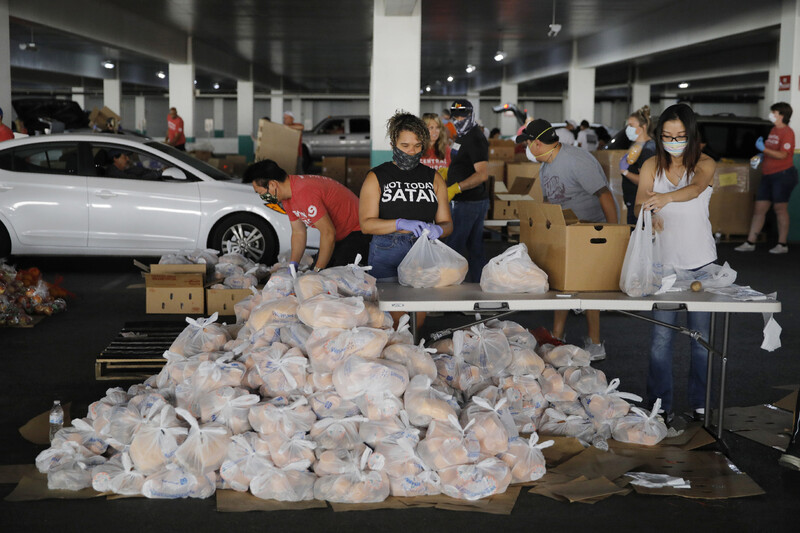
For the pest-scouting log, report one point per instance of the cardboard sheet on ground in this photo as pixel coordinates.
(581, 489)
(231, 501)
(562, 449)
(37, 429)
(787, 402)
(12, 474)
(593, 463)
(34, 487)
(765, 424)
(497, 504)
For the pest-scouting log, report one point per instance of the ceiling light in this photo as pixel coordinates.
(161, 74)
(108, 64)
(427, 88)
(216, 86)
(683, 85)
(450, 79)
(470, 69)
(500, 55)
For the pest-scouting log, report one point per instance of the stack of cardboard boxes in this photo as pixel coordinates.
(731, 206)
(349, 171)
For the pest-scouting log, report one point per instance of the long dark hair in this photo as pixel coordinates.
(691, 155)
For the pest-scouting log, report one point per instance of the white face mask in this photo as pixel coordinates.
(772, 118)
(529, 155)
(630, 132)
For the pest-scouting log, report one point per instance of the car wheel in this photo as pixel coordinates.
(248, 235)
(5, 242)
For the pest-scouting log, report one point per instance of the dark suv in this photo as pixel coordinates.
(725, 135)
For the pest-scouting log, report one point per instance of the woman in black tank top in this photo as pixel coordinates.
(401, 198)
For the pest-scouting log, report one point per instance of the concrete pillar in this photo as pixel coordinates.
(5, 65)
(276, 106)
(640, 96)
(219, 117)
(580, 91)
(770, 92)
(509, 94)
(78, 97)
(181, 96)
(244, 118)
(789, 55)
(297, 109)
(112, 97)
(139, 114)
(389, 92)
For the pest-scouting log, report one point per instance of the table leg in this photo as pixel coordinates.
(710, 371)
(724, 357)
(412, 325)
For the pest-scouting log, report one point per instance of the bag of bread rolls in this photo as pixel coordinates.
(609, 404)
(357, 376)
(332, 433)
(287, 449)
(201, 335)
(554, 388)
(228, 406)
(278, 312)
(117, 475)
(327, 311)
(295, 335)
(525, 458)
(493, 424)
(156, 440)
(205, 447)
(558, 424)
(564, 355)
(513, 271)
(176, 481)
(476, 481)
(329, 347)
(524, 362)
(359, 485)
(447, 443)
(416, 359)
(486, 348)
(641, 427)
(584, 379)
(328, 404)
(377, 405)
(267, 417)
(353, 280)
(337, 461)
(423, 403)
(280, 282)
(291, 483)
(402, 335)
(374, 432)
(246, 457)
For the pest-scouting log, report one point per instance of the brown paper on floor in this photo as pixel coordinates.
(765, 424)
(34, 487)
(563, 449)
(498, 504)
(388, 503)
(548, 477)
(37, 429)
(14, 473)
(593, 463)
(788, 402)
(714, 488)
(582, 490)
(231, 501)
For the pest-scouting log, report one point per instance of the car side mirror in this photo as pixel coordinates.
(173, 173)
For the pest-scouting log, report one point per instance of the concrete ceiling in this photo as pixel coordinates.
(322, 47)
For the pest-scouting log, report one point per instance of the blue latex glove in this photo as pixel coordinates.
(296, 265)
(434, 231)
(414, 226)
(760, 144)
(623, 163)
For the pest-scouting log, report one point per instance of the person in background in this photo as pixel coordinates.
(573, 179)
(587, 138)
(402, 198)
(313, 201)
(175, 134)
(437, 155)
(467, 188)
(122, 167)
(778, 180)
(495, 133)
(566, 135)
(5, 132)
(448, 124)
(675, 185)
(643, 148)
(288, 121)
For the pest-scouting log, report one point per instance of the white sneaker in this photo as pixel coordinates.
(779, 249)
(597, 352)
(746, 247)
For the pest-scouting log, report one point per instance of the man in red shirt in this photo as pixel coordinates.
(175, 136)
(314, 201)
(5, 131)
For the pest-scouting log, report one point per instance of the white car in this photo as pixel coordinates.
(58, 196)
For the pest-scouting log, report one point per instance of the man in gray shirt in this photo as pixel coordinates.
(572, 178)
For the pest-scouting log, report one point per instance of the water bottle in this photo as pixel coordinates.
(56, 418)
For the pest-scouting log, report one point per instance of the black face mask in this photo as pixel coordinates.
(405, 161)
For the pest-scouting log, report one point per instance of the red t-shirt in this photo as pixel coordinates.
(782, 140)
(429, 159)
(5, 132)
(175, 131)
(315, 196)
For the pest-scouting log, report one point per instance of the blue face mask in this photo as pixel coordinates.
(630, 133)
(405, 161)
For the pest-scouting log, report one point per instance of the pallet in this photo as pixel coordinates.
(136, 353)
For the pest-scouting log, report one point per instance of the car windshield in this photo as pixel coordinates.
(192, 161)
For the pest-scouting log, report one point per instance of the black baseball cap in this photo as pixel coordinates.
(460, 108)
(538, 129)
(116, 152)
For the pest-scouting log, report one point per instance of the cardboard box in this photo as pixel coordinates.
(576, 256)
(335, 168)
(732, 176)
(222, 300)
(520, 170)
(501, 152)
(202, 155)
(609, 160)
(731, 211)
(357, 169)
(174, 294)
(497, 171)
(104, 119)
(279, 143)
(178, 269)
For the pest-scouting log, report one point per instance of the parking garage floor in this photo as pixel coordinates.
(55, 359)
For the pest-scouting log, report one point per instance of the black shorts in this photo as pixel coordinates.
(345, 251)
(777, 187)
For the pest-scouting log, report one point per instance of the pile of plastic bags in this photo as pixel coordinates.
(313, 395)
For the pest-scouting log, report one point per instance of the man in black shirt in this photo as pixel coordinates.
(467, 188)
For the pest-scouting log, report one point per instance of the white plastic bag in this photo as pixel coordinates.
(326, 311)
(289, 419)
(513, 271)
(424, 403)
(476, 481)
(641, 427)
(247, 456)
(357, 376)
(486, 348)
(642, 269)
(291, 483)
(525, 458)
(204, 449)
(353, 280)
(118, 476)
(431, 264)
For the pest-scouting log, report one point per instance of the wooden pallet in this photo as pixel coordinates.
(136, 353)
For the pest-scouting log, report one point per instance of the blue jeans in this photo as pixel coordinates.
(386, 252)
(467, 236)
(659, 378)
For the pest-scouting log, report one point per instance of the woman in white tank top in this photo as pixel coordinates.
(675, 185)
